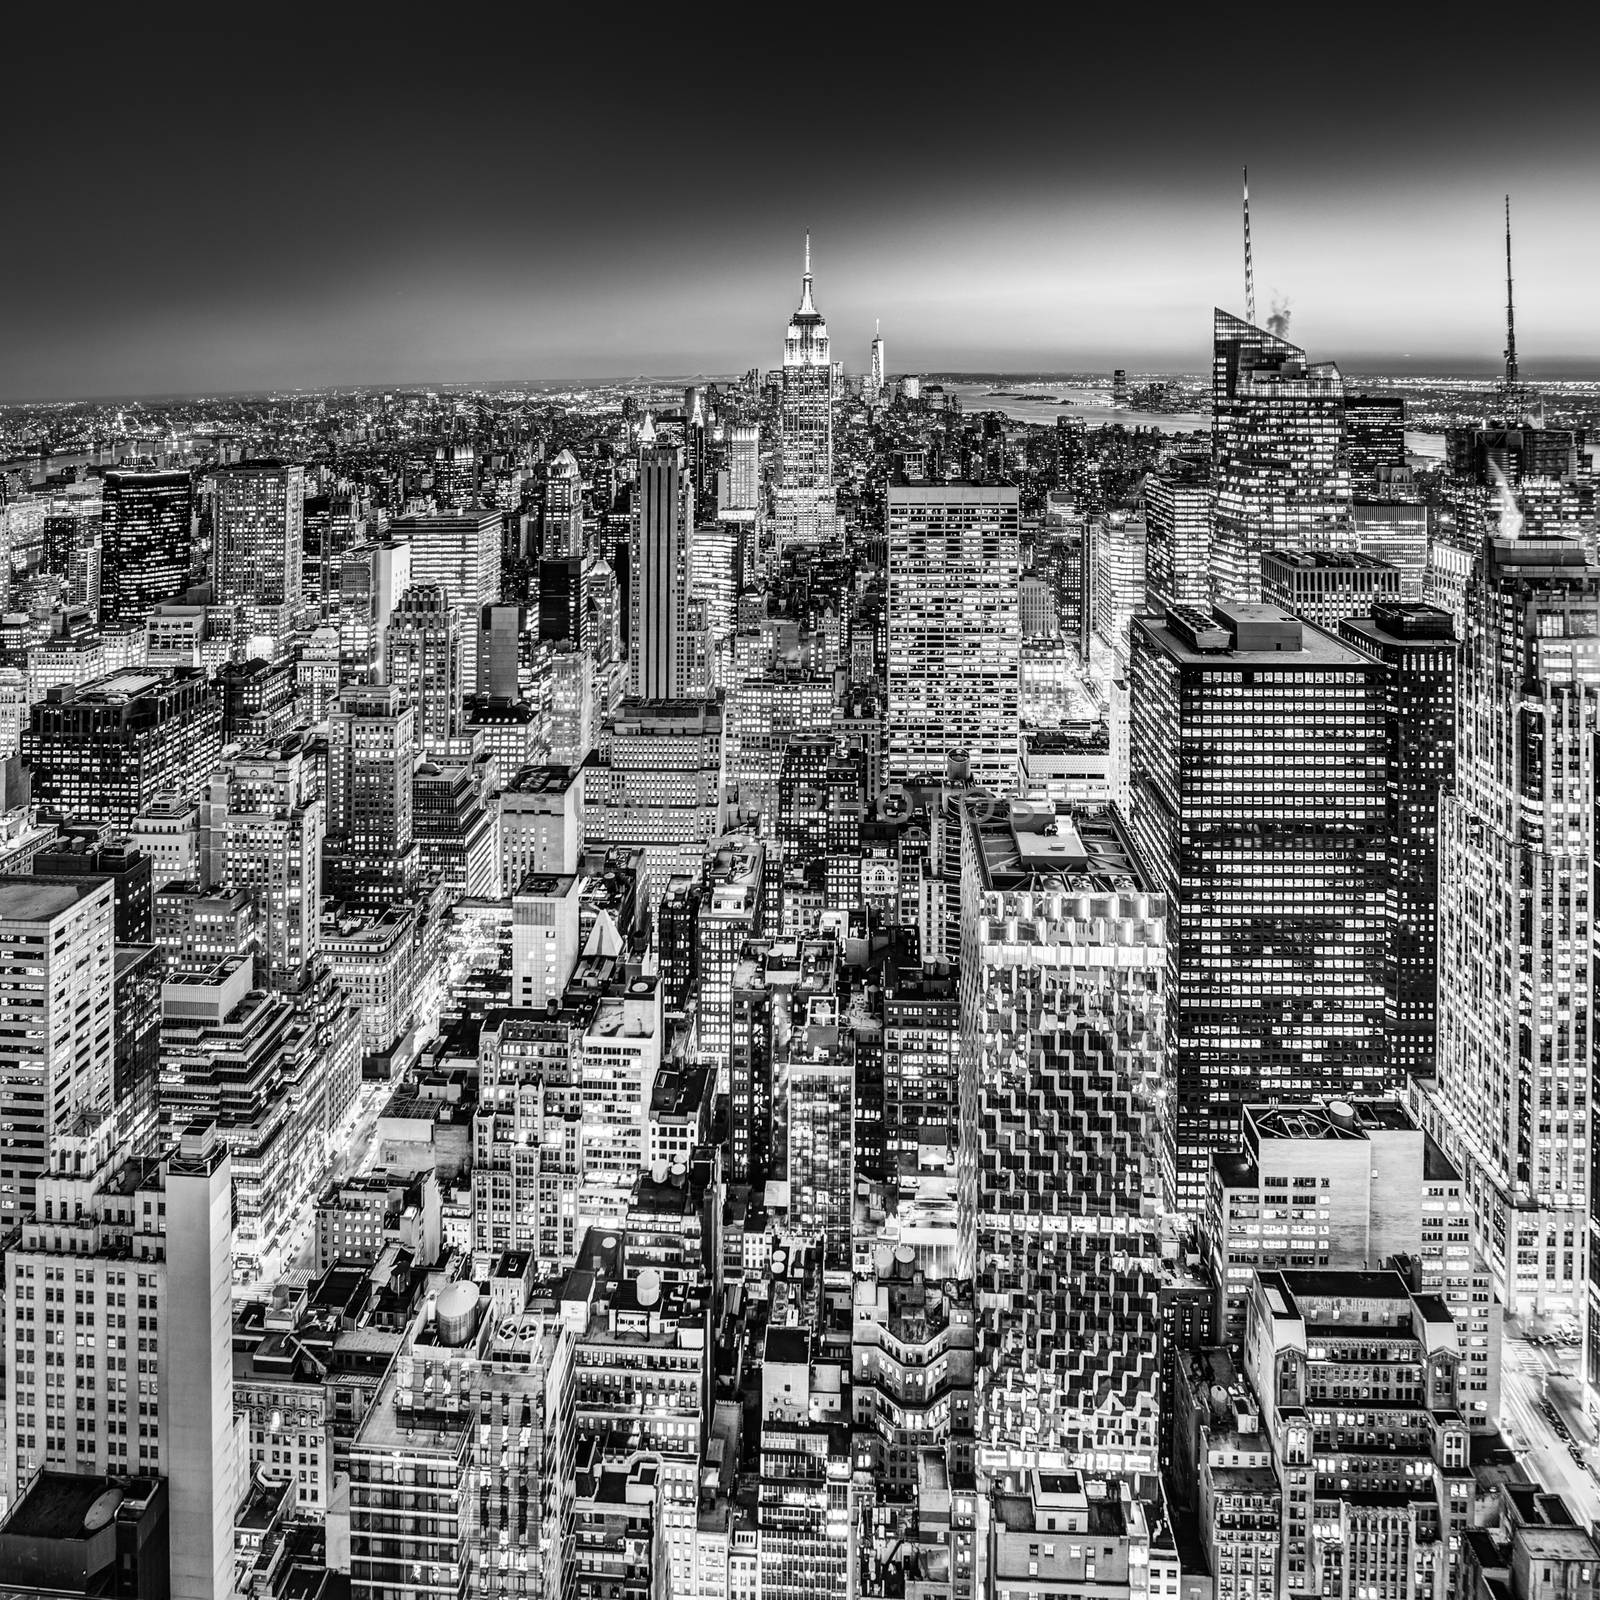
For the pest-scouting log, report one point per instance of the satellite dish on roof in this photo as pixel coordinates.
(102, 1509)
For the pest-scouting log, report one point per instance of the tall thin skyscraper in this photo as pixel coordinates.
(370, 858)
(739, 489)
(1516, 873)
(257, 543)
(1177, 514)
(1277, 443)
(660, 648)
(804, 501)
(879, 364)
(562, 521)
(1259, 795)
(955, 630)
(146, 541)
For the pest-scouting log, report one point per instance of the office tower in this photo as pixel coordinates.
(136, 1061)
(460, 553)
(804, 503)
(1064, 947)
(814, 1117)
(715, 561)
(258, 700)
(500, 650)
(739, 487)
(805, 427)
(561, 520)
(562, 618)
(1260, 801)
(954, 629)
(1374, 434)
(1278, 473)
(152, 1233)
(573, 723)
(1355, 1186)
(657, 786)
(1394, 530)
(540, 817)
(660, 649)
(261, 831)
(423, 660)
(258, 520)
(878, 374)
(1118, 557)
(921, 1051)
(1417, 646)
(57, 1001)
(106, 750)
(1326, 586)
(766, 710)
(1177, 514)
(729, 910)
(372, 577)
(370, 855)
(146, 542)
(1516, 868)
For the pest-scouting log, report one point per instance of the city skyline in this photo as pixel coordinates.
(263, 231)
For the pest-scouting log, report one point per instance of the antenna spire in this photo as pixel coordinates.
(808, 252)
(1511, 315)
(1249, 264)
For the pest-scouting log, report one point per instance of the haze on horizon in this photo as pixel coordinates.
(272, 208)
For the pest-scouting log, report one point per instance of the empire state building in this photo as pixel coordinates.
(807, 511)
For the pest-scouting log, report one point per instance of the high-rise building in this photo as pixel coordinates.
(1326, 586)
(145, 1233)
(1118, 557)
(57, 1002)
(460, 553)
(258, 534)
(804, 502)
(106, 750)
(877, 376)
(1177, 514)
(730, 910)
(1374, 434)
(1277, 443)
(739, 489)
(1515, 1056)
(561, 520)
(261, 831)
(370, 857)
(955, 630)
(146, 543)
(660, 648)
(1063, 968)
(657, 786)
(372, 577)
(1259, 781)
(1417, 646)
(422, 659)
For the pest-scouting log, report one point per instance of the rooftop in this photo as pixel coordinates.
(1044, 844)
(1248, 636)
(70, 1505)
(41, 900)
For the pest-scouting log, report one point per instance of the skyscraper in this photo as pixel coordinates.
(1277, 447)
(1326, 586)
(660, 649)
(146, 540)
(1515, 1057)
(370, 858)
(1260, 801)
(422, 658)
(460, 553)
(739, 493)
(804, 502)
(1062, 975)
(1177, 514)
(1417, 647)
(561, 532)
(955, 631)
(879, 372)
(56, 1004)
(258, 534)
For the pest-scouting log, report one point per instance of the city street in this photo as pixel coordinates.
(1530, 1373)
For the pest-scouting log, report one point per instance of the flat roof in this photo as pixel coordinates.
(56, 1504)
(42, 899)
(1318, 651)
(1037, 843)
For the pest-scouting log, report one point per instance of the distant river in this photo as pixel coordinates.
(1038, 403)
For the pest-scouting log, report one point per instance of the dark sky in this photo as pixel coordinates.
(468, 195)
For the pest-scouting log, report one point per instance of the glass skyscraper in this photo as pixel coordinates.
(1277, 444)
(146, 539)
